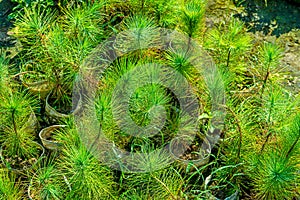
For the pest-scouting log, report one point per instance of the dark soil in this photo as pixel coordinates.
(187, 150)
(5, 9)
(274, 17)
(18, 163)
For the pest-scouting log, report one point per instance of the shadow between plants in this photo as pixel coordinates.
(5, 9)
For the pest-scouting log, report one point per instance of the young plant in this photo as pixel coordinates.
(103, 103)
(20, 5)
(145, 99)
(138, 34)
(84, 21)
(162, 184)
(192, 18)
(275, 176)
(266, 118)
(270, 56)
(180, 60)
(68, 136)
(270, 115)
(229, 42)
(163, 12)
(18, 125)
(64, 56)
(62, 44)
(87, 177)
(60, 67)
(47, 183)
(9, 186)
(31, 27)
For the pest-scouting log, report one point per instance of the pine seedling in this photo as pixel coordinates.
(192, 18)
(229, 42)
(180, 60)
(16, 111)
(162, 184)
(138, 34)
(87, 177)
(275, 176)
(47, 183)
(31, 27)
(270, 56)
(9, 187)
(84, 21)
(164, 11)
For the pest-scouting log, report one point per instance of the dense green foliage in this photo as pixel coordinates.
(257, 156)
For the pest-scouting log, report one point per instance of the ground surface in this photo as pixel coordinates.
(5, 9)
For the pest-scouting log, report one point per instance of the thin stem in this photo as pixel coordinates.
(265, 142)
(98, 135)
(189, 44)
(15, 128)
(268, 125)
(158, 15)
(143, 4)
(188, 47)
(293, 146)
(265, 80)
(14, 122)
(228, 57)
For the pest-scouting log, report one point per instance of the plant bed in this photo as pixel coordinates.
(18, 164)
(46, 136)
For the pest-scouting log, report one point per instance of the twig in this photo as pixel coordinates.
(293, 146)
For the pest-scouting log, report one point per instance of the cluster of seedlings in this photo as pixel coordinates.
(43, 155)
